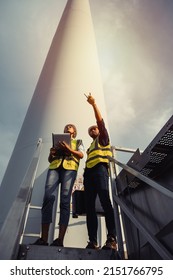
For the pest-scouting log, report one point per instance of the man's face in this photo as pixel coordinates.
(94, 132)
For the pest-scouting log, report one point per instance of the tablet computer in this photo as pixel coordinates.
(56, 138)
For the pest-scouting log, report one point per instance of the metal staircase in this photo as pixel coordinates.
(142, 194)
(145, 196)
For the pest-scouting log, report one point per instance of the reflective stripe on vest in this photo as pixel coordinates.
(69, 162)
(97, 153)
(55, 163)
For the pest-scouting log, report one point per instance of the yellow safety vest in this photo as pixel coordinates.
(68, 162)
(97, 153)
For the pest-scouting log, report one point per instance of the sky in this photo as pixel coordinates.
(135, 42)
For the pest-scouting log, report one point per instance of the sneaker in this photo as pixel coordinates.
(41, 242)
(110, 244)
(75, 216)
(92, 245)
(57, 242)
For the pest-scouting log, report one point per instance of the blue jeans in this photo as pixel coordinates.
(55, 177)
(96, 182)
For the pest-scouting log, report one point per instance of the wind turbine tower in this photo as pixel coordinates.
(70, 70)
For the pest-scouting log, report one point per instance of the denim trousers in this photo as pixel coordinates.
(55, 178)
(96, 182)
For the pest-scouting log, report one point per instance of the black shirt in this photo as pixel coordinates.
(103, 134)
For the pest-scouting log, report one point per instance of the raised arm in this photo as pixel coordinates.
(91, 101)
(102, 131)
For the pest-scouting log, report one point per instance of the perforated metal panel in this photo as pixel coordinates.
(167, 139)
(155, 159)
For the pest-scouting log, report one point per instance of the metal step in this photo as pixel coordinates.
(36, 252)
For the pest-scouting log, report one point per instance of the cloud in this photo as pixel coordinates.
(135, 42)
(136, 64)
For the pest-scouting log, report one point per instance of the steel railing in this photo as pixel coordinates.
(155, 243)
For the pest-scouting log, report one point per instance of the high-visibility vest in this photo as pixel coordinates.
(97, 153)
(68, 162)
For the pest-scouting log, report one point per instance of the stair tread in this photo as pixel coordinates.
(36, 252)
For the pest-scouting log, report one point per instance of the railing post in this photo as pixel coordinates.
(113, 175)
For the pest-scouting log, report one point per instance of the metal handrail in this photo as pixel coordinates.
(157, 245)
(143, 178)
(124, 149)
(14, 223)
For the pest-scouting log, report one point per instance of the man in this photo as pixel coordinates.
(64, 163)
(96, 181)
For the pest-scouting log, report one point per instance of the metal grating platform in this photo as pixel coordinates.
(35, 252)
(159, 154)
(155, 159)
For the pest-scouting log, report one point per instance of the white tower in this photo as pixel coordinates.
(70, 70)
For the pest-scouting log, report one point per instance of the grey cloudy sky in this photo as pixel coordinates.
(135, 43)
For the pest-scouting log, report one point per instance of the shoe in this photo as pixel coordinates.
(92, 245)
(75, 216)
(110, 244)
(57, 242)
(41, 242)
